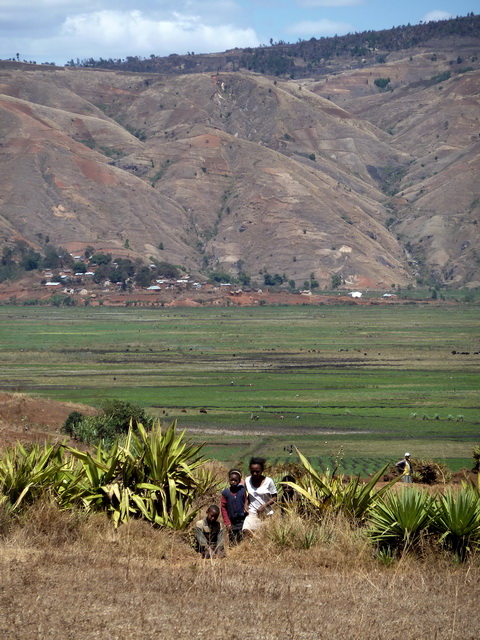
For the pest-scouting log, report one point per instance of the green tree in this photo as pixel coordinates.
(336, 280)
(167, 270)
(381, 83)
(30, 260)
(144, 277)
(79, 267)
(101, 258)
(51, 259)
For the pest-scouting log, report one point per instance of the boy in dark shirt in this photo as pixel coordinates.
(234, 505)
(209, 534)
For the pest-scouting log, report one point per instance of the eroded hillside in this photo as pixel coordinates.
(243, 173)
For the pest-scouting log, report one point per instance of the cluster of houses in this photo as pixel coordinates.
(64, 279)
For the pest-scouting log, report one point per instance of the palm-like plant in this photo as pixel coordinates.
(152, 475)
(476, 457)
(399, 519)
(457, 519)
(25, 473)
(167, 464)
(322, 491)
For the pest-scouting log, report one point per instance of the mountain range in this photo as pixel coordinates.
(365, 170)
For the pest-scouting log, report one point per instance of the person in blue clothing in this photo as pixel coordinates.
(234, 506)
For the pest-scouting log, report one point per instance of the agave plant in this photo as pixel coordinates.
(354, 498)
(476, 457)
(26, 473)
(457, 519)
(398, 519)
(151, 475)
(170, 468)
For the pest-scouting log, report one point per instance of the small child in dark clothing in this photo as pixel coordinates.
(289, 495)
(234, 506)
(209, 534)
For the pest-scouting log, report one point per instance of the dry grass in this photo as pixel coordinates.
(68, 576)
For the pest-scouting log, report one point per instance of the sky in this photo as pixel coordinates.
(61, 30)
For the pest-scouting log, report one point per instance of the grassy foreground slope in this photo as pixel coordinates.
(133, 583)
(368, 381)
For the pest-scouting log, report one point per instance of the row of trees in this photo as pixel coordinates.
(21, 258)
(279, 58)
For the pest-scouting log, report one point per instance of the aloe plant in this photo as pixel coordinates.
(26, 473)
(476, 457)
(398, 519)
(151, 475)
(354, 498)
(457, 519)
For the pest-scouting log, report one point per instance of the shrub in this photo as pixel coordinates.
(26, 472)
(113, 421)
(71, 423)
(476, 457)
(458, 521)
(398, 520)
(381, 83)
(430, 472)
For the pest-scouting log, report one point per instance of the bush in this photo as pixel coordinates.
(399, 520)
(71, 423)
(476, 457)
(113, 421)
(121, 413)
(430, 472)
(381, 83)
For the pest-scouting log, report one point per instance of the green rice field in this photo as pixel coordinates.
(362, 383)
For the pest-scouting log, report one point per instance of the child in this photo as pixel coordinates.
(289, 495)
(209, 534)
(234, 505)
(262, 494)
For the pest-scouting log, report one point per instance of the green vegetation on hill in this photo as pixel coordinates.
(280, 58)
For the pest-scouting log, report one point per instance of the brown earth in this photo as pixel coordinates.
(246, 173)
(27, 419)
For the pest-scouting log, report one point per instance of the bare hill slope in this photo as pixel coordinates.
(243, 173)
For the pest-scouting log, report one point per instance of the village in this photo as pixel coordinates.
(98, 280)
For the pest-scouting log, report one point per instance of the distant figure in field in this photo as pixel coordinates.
(262, 494)
(209, 534)
(289, 495)
(234, 506)
(405, 467)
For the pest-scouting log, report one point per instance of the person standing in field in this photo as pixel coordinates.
(405, 467)
(234, 506)
(261, 494)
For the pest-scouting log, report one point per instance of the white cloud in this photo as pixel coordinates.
(309, 28)
(329, 3)
(121, 32)
(433, 16)
(134, 33)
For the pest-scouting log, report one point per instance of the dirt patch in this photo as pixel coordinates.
(270, 432)
(27, 419)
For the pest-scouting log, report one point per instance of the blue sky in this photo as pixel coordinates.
(59, 30)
